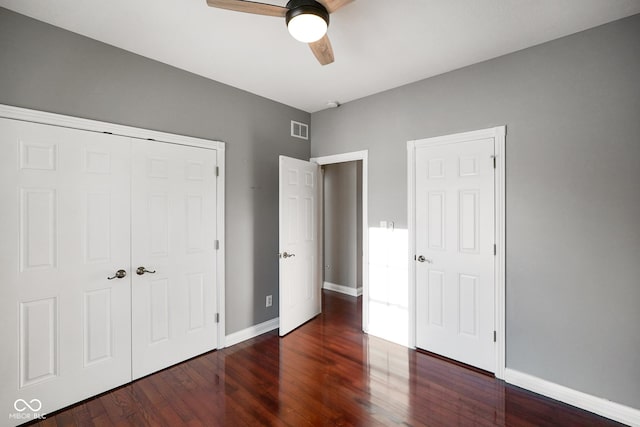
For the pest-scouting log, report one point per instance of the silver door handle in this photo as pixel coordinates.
(423, 259)
(286, 255)
(120, 274)
(141, 270)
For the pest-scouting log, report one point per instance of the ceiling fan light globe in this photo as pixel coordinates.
(307, 27)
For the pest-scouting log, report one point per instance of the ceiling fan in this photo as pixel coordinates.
(307, 20)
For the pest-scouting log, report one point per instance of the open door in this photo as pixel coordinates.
(299, 252)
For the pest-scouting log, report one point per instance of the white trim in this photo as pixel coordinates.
(347, 290)
(252, 332)
(341, 158)
(498, 134)
(411, 226)
(500, 237)
(350, 157)
(221, 252)
(588, 402)
(34, 116)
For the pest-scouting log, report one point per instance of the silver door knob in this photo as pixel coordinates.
(119, 275)
(141, 270)
(286, 255)
(423, 259)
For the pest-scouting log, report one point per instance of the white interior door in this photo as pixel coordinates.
(174, 239)
(64, 227)
(455, 277)
(300, 293)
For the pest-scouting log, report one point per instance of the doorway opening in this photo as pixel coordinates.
(344, 228)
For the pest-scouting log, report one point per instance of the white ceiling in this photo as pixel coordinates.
(378, 44)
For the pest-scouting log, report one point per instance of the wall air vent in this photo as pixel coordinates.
(299, 130)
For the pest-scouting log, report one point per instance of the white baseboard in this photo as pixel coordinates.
(597, 405)
(251, 332)
(354, 292)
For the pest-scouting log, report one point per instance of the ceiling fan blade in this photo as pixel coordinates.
(249, 7)
(333, 5)
(322, 50)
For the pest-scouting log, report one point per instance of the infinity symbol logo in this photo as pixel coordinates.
(21, 405)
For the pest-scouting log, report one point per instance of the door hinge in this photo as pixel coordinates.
(217, 317)
(495, 250)
(495, 336)
(217, 244)
(494, 161)
(218, 170)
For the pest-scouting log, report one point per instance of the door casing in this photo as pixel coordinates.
(499, 135)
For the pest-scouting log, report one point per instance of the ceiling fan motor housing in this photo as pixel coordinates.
(300, 7)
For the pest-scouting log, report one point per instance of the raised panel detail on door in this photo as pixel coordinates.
(38, 156)
(195, 224)
(97, 161)
(38, 337)
(159, 314)
(174, 218)
(196, 301)
(292, 226)
(468, 218)
(38, 229)
(468, 304)
(158, 167)
(468, 165)
(98, 331)
(158, 213)
(195, 171)
(97, 241)
(435, 168)
(436, 219)
(436, 298)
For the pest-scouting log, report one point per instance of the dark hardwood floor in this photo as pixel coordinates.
(325, 373)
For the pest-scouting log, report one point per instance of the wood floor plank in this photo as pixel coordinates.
(325, 373)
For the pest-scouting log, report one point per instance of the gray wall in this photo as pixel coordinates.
(572, 110)
(46, 68)
(342, 222)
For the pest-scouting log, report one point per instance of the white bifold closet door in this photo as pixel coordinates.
(77, 207)
(64, 222)
(174, 235)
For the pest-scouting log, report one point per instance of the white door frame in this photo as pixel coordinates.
(351, 157)
(16, 113)
(498, 134)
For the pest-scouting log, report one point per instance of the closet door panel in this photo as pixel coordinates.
(65, 227)
(173, 239)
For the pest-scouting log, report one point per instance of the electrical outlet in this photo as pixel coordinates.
(269, 301)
